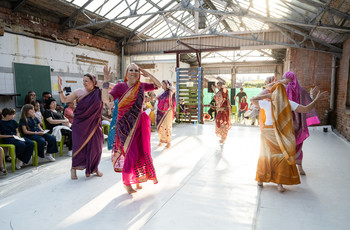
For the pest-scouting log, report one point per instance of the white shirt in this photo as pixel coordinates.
(266, 105)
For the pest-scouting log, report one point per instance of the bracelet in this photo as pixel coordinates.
(60, 92)
(105, 85)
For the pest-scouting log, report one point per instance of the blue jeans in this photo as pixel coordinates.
(41, 140)
(24, 149)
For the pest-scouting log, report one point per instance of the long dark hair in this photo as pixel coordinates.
(24, 113)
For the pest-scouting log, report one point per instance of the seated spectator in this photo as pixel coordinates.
(57, 123)
(7, 156)
(45, 96)
(149, 109)
(32, 129)
(3, 171)
(29, 99)
(243, 107)
(37, 112)
(107, 114)
(212, 109)
(252, 113)
(9, 133)
(69, 111)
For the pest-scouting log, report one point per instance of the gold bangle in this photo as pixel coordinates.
(60, 92)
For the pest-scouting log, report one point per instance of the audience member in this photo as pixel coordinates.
(243, 107)
(9, 133)
(240, 95)
(32, 129)
(57, 123)
(69, 111)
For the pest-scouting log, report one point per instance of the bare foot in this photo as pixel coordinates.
(73, 174)
(87, 175)
(167, 145)
(129, 189)
(138, 186)
(280, 188)
(301, 170)
(99, 174)
(160, 144)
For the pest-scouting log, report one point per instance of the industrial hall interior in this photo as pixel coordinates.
(175, 114)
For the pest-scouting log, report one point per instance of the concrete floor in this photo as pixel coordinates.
(202, 185)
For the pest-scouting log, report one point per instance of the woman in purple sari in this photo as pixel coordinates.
(131, 154)
(166, 113)
(87, 127)
(301, 121)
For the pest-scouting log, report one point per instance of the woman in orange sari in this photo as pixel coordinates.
(131, 154)
(277, 147)
(223, 108)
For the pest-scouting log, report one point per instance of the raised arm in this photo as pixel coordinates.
(309, 107)
(106, 97)
(255, 100)
(150, 76)
(64, 98)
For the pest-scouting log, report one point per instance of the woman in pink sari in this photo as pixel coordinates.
(301, 121)
(166, 113)
(131, 154)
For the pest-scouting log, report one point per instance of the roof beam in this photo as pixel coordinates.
(75, 14)
(152, 46)
(327, 8)
(18, 5)
(212, 6)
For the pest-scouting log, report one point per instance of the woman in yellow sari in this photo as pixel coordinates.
(277, 147)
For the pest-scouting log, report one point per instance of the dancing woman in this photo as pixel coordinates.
(87, 134)
(131, 153)
(277, 146)
(166, 113)
(223, 108)
(301, 121)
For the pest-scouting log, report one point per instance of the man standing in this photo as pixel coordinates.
(240, 95)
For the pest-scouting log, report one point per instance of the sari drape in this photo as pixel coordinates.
(112, 126)
(132, 149)
(301, 121)
(223, 116)
(87, 133)
(165, 115)
(277, 148)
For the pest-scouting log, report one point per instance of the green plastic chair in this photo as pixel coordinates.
(234, 113)
(59, 143)
(35, 152)
(12, 154)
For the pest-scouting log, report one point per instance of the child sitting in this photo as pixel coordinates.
(37, 113)
(9, 133)
(32, 129)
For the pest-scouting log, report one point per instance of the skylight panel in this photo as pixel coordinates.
(94, 5)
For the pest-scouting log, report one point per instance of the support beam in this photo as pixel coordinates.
(75, 14)
(327, 8)
(224, 23)
(18, 5)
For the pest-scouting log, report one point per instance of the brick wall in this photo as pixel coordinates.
(343, 114)
(25, 23)
(312, 68)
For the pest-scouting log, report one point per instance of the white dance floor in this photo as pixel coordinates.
(202, 185)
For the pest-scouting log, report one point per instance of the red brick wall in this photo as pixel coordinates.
(343, 115)
(312, 68)
(25, 23)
